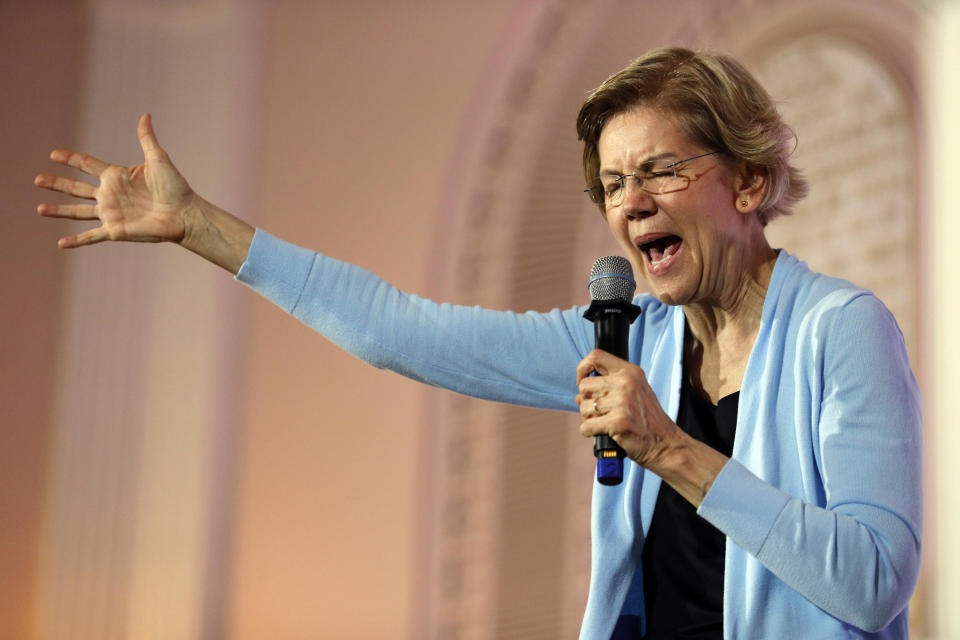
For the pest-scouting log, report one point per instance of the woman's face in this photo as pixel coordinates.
(679, 241)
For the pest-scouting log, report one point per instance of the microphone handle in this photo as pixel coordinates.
(611, 330)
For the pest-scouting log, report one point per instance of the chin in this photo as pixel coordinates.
(668, 299)
(671, 293)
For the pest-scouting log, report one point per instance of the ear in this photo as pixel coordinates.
(750, 187)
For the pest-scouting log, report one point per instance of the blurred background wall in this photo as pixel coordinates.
(179, 459)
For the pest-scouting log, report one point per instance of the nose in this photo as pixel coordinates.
(637, 203)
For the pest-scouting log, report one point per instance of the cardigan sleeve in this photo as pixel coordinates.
(520, 358)
(855, 551)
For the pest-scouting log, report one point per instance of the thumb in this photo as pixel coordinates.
(597, 361)
(605, 363)
(148, 139)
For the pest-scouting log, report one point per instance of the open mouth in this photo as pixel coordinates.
(659, 250)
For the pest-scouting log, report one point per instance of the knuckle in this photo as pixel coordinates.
(633, 384)
(112, 171)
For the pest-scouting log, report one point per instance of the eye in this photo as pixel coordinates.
(611, 186)
(654, 174)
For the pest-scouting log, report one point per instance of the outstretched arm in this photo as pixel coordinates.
(149, 202)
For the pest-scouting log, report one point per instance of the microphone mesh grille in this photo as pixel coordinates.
(611, 278)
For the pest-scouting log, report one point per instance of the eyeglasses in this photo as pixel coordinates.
(608, 190)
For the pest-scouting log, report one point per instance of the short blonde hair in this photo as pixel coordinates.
(718, 105)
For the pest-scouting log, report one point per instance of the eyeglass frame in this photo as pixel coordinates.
(621, 178)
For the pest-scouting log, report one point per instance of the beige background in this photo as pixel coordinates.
(178, 459)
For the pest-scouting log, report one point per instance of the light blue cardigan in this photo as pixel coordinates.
(822, 501)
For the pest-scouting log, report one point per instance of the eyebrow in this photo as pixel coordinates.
(646, 162)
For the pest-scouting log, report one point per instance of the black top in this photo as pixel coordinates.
(683, 554)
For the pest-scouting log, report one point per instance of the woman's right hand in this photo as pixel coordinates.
(144, 203)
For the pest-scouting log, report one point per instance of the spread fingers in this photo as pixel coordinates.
(92, 236)
(66, 185)
(72, 211)
(83, 161)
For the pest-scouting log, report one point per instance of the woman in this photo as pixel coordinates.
(770, 411)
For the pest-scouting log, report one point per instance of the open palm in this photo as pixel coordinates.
(143, 203)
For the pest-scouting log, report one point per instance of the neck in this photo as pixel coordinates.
(732, 316)
(722, 331)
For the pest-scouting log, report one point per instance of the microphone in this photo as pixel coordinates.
(611, 311)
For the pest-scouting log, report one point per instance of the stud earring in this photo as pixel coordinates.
(743, 203)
